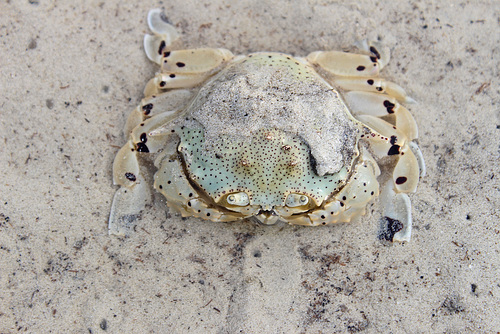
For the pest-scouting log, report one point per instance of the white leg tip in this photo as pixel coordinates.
(159, 25)
(420, 158)
(126, 208)
(151, 47)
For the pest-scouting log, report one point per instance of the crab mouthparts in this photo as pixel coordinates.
(267, 217)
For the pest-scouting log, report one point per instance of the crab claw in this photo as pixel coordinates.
(127, 206)
(396, 222)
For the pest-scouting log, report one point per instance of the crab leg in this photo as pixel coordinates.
(134, 193)
(350, 64)
(187, 68)
(408, 169)
(375, 85)
(152, 105)
(180, 68)
(164, 34)
(374, 104)
(396, 222)
(345, 64)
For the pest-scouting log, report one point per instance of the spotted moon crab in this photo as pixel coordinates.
(267, 135)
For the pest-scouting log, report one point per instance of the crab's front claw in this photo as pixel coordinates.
(396, 205)
(127, 206)
(396, 221)
(133, 194)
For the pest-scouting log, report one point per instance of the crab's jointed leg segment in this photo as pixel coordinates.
(154, 104)
(394, 142)
(392, 139)
(180, 68)
(375, 85)
(345, 64)
(134, 193)
(128, 203)
(380, 105)
(353, 65)
(188, 68)
(164, 34)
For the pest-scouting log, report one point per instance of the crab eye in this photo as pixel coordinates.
(294, 200)
(239, 199)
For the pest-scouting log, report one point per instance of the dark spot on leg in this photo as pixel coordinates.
(379, 89)
(161, 47)
(147, 108)
(179, 64)
(130, 177)
(162, 84)
(360, 68)
(375, 52)
(394, 150)
(141, 147)
(172, 75)
(374, 59)
(393, 140)
(389, 106)
(401, 180)
(370, 81)
(143, 137)
(166, 54)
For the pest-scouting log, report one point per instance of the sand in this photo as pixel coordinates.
(70, 74)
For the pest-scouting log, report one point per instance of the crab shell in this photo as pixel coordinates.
(269, 136)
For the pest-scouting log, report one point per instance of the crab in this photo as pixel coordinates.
(268, 136)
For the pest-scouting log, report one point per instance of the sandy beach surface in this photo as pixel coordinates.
(71, 72)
